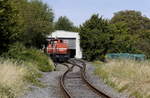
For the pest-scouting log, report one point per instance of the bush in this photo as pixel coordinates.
(35, 57)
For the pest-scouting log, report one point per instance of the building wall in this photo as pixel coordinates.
(69, 35)
(78, 48)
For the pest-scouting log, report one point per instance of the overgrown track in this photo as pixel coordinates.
(81, 77)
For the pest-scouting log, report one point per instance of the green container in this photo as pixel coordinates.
(125, 56)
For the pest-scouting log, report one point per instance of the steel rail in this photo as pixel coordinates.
(62, 82)
(100, 93)
(82, 67)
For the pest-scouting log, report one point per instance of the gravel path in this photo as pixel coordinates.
(52, 89)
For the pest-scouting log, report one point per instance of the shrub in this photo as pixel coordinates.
(34, 56)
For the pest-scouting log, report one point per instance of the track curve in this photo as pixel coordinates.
(82, 81)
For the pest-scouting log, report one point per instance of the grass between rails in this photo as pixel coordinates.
(126, 76)
(20, 68)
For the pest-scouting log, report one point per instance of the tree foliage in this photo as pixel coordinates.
(100, 36)
(8, 34)
(133, 19)
(37, 22)
(34, 20)
(122, 40)
(143, 42)
(26, 21)
(95, 38)
(138, 31)
(64, 23)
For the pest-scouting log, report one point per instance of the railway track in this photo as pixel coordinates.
(74, 82)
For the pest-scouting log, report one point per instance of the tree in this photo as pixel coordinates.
(7, 23)
(133, 19)
(123, 42)
(99, 37)
(26, 21)
(138, 31)
(143, 42)
(64, 23)
(35, 21)
(95, 38)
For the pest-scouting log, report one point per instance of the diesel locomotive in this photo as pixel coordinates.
(57, 50)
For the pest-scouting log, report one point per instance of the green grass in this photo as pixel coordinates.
(128, 76)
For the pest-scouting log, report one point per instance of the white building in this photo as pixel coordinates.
(73, 40)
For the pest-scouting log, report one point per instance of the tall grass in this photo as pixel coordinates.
(21, 67)
(12, 79)
(132, 77)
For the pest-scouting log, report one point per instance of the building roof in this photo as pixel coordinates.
(63, 34)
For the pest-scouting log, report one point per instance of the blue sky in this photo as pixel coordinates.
(80, 10)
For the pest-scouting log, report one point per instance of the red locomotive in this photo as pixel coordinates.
(58, 50)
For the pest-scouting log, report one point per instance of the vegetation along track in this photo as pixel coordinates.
(74, 82)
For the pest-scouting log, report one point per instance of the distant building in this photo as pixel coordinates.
(73, 40)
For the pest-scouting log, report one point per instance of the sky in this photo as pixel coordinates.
(78, 11)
